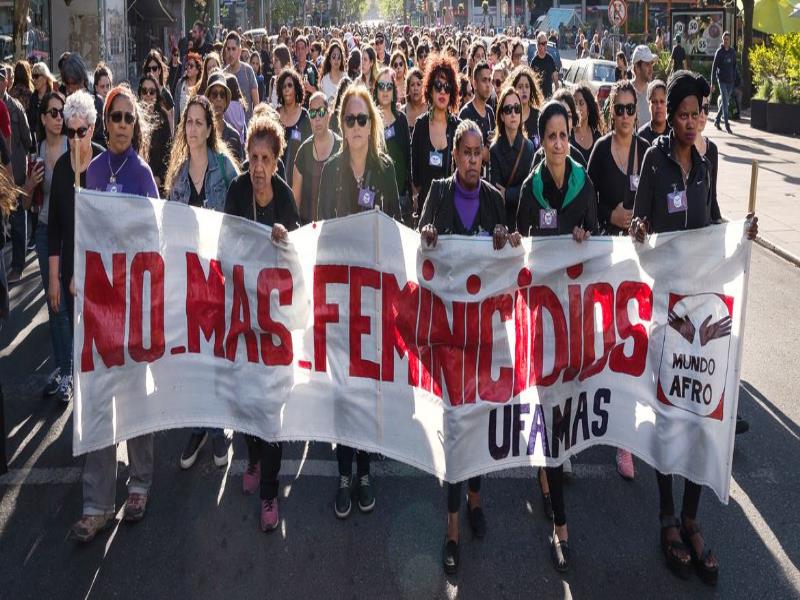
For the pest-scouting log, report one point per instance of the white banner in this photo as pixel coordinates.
(458, 360)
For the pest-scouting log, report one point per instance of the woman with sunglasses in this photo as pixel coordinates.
(557, 198)
(186, 87)
(52, 143)
(160, 133)
(432, 140)
(511, 151)
(590, 125)
(396, 137)
(332, 70)
(154, 65)
(362, 178)
(312, 156)
(674, 194)
(530, 94)
(416, 104)
(294, 118)
(499, 76)
(464, 204)
(399, 66)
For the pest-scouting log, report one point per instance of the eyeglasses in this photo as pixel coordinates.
(214, 94)
(54, 113)
(620, 109)
(385, 86)
(152, 69)
(118, 115)
(36, 75)
(317, 112)
(542, 43)
(705, 108)
(361, 118)
(398, 65)
(498, 82)
(147, 91)
(511, 108)
(442, 86)
(80, 132)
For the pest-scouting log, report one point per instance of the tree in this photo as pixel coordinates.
(390, 9)
(21, 10)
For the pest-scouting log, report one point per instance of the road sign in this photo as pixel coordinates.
(617, 12)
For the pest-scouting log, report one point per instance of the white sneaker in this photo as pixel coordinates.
(567, 467)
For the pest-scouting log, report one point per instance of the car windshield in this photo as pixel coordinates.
(603, 73)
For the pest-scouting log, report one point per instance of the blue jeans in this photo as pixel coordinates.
(60, 329)
(725, 92)
(19, 239)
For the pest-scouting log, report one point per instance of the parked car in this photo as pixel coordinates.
(598, 74)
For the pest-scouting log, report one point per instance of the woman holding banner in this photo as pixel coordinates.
(120, 169)
(464, 204)
(674, 194)
(260, 195)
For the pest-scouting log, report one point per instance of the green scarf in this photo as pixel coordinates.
(577, 178)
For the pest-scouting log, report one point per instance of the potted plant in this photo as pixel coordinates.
(783, 109)
(776, 107)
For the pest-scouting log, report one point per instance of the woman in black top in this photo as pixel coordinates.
(396, 137)
(154, 65)
(615, 164)
(511, 152)
(362, 178)
(621, 70)
(657, 125)
(527, 86)
(674, 195)
(294, 118)
(312, 156)
(161, 132)
(590, 126)
(261, 196)
(415, 105)
(464, 204)
(432, 140)
(564, 97)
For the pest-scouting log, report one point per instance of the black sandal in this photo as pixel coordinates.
(547, 503)
(450, 556)
(559, 552)
(708, 575)
(673, 549)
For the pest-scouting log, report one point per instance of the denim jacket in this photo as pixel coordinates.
(216, 181)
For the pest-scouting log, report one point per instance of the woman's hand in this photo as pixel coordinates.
(515, 239)
(751, 226)
(34, 178)
(54, 292)
(579, 234)
(429, 235)
(639, 229)
(500, 236)
(279, 233)
(621, 217)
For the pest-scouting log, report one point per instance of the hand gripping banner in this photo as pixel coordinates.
(458, 360)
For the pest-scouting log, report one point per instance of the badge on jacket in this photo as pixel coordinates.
(548, 218)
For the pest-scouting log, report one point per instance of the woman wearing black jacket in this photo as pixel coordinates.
(511, 154)
(432, 140)
(674, 194)
(161, 133)
(464, 204)
(261, 196)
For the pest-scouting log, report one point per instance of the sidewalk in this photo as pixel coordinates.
(778, 192)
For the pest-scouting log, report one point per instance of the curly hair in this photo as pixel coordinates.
(592, 109)
(444, 65)
(537, 97)
(299, 93)
(267, 129)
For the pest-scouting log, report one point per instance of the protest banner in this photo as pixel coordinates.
(458, 359)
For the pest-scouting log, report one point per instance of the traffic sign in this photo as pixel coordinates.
(617, 12)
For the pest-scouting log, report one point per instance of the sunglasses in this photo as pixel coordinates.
(148, 91)
(705, 108)
(80, 132)
(152, 69)
(498, 82)
(317, 112)
(361, 119)
(542, 43)
(511, 108)
(385, 86)
(214, 94)
(118, 115)
(398, 65)
(442, 86)
(54, 113)
(620, 109)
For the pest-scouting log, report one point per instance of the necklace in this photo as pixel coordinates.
(113, 178)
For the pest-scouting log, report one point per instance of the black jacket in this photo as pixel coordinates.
(661, 175)
(440, 209)
(503, 157)
(339, 192)
(282, 209)
(422, 173)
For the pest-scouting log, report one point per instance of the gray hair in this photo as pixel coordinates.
(74, 69)
(656, 84)
(80, 105)
(466, 126)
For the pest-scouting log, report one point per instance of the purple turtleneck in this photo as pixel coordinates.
(466, 203)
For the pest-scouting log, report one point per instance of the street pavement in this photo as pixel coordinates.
(200, 538)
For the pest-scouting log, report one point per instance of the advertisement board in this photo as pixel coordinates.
(700, 30)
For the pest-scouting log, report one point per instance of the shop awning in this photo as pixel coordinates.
(150, 10)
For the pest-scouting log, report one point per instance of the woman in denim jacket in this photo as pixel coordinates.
(201, 167)
(200, 170)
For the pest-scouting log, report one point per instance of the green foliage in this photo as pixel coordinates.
(779, 64)
(661, 66)
(764, 91)
(389, 9)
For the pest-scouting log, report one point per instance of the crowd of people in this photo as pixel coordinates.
(445, 131)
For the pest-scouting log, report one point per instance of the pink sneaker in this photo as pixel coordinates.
(625, 464)
(269, 514)
(252, 478)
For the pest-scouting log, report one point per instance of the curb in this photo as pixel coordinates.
(784, 254)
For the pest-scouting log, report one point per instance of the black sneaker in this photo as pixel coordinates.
(189, 455)
(477, 522)
(343, 502)
(450, 557)
(742, 426)
(51, 387)
(220, 446)
(366, 496)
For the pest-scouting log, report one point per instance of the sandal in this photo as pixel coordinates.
(547, 503)
(559, 552)
(708, 574)
(450, 556)
(674, 549)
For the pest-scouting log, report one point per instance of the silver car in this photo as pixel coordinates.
(597, 74)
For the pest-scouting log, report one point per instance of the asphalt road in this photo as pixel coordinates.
(200, 538)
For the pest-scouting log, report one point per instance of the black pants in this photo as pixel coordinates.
(3, 457)
(344, 454)
(555, 480)
(455, 491)
(270, 454)
(691, 496)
